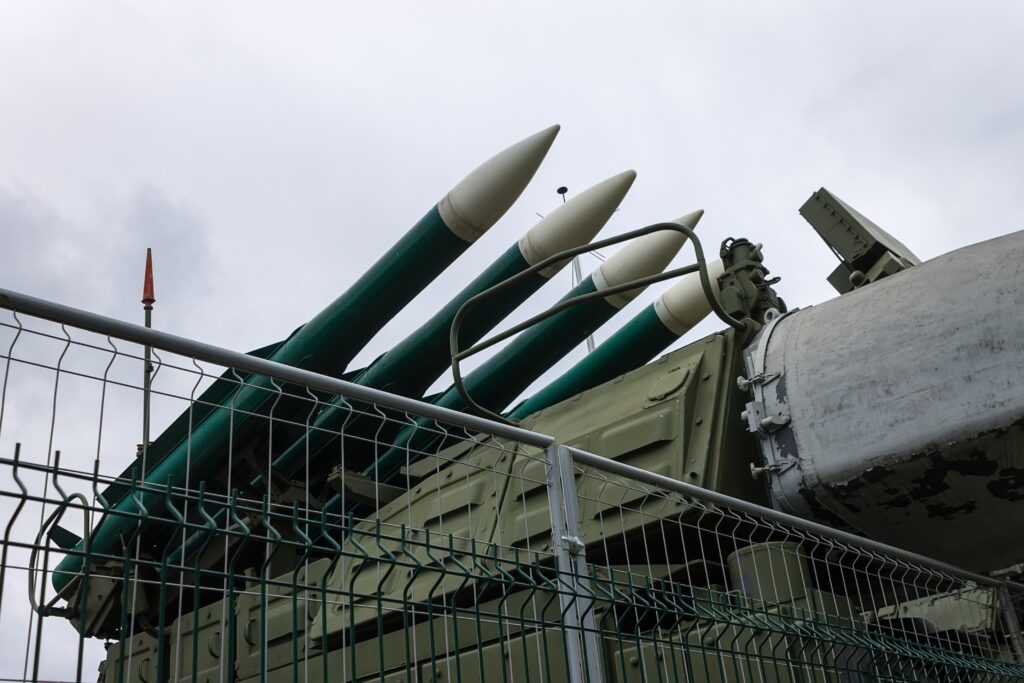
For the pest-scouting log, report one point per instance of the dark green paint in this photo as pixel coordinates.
(866, 251)
(415, 363)
(325, 344)
(639, 340)
(505, 375)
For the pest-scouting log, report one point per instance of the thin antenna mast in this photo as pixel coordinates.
(148, 299)
(577, 271)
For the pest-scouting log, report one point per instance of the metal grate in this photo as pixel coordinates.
(476, 551)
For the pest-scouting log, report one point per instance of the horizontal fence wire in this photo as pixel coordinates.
(285, 528)
(239, 563)
(687, 589)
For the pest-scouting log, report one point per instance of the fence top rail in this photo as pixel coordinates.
(41, 308)
(614, 467)
(93, 322)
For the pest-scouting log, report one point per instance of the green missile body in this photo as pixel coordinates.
(505, 375)
(416, 362)
(333, 337)
(645, 336)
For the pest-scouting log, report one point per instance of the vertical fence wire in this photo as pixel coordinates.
(478, 553)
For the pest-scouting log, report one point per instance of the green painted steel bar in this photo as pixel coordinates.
(505, 375)
(410, 367)
(638, 341)
(330, 340)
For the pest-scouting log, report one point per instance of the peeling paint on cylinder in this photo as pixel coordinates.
(906, 413)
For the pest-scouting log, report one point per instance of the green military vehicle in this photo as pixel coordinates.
(821, 494)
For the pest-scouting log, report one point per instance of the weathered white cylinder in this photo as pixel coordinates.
(898, 408)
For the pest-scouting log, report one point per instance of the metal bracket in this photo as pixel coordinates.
(756, 380)
(775, 468)
(762, 424)
(574, 544)
(361, 488)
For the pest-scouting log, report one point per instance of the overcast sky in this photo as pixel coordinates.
(270, 153)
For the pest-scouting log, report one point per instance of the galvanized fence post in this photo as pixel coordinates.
(583, 652)
(1010, 621)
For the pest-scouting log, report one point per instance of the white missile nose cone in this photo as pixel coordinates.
(691, 219)
(574, 223)
(642, 257)
(482, 197)
(684, 304)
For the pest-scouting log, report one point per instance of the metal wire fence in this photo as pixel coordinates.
(275, 531)
(690, 587)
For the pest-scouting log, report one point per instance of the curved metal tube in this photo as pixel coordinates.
(700, 266)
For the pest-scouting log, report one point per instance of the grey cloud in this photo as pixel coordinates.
(286, 148)
(96, 261)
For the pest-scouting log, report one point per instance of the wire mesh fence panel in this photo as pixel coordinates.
(687, 588)
(186, 513)
(273, 530)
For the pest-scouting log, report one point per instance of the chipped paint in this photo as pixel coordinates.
(906, 414)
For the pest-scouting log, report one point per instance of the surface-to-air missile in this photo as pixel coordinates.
(334, 336)
(653, 330)
(412, 365)
(894, 411)
(505, 375)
